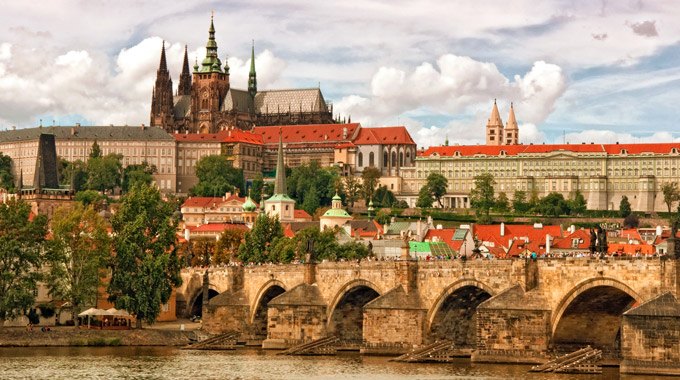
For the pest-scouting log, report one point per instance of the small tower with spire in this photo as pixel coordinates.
(511, 128)
(252, 77)
(280, 203)
(161, 99)
(494, 128)
(184, 87)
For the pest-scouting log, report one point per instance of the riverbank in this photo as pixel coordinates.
(69, 336)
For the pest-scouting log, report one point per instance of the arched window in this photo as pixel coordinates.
(385, 158)
(371, 159)
(401, 158)
(361, 159)
(394, 159)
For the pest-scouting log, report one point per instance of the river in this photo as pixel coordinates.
(58, 363)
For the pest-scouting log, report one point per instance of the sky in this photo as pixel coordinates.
(575, 70)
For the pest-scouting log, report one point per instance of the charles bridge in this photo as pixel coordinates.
(515, 310)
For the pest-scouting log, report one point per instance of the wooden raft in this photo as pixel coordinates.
(225, 341)
(581, 361)
(323, 346)
(439, 351)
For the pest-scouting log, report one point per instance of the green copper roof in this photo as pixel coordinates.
(252, 77)
(249, 205)
(336, 197)
(211, 59)
(336, 213)
(280, 198)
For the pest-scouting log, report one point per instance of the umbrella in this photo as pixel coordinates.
(92, 311)
(116, 312)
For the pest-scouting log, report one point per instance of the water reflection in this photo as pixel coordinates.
(247, 364)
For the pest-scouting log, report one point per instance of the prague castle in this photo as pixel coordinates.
(205, 102)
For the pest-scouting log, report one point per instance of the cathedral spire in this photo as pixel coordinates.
(211, 63)
(280, 185)
(163, 66)
(184, 87)
(511, 128)
(494, 128)
(252, 77)
(161, 98)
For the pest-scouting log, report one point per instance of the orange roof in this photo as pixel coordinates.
(631, 233)
(210, 201)
(631, 249)
(218, 227)
(383, 135)
(301, 214)
(331, 133)
(230, 135)
(565, 242)
(471, 150)
(641, 148)
(511, 150)
(492, 233)
(288, 231)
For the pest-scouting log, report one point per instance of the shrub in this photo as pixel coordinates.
(47, 310)
(77, 342)
(114, 342)
(98, 341)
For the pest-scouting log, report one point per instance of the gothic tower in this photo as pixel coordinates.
(252, 77)
(280, 204)
(511, 129)
(494, 128)
(210, 86)
(184, 87)
(161, 99)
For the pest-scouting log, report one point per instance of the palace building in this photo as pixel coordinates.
(205, 102)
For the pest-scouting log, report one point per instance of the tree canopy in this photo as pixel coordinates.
(104, 173)
(624, 207)
(6, 177)
(258, 243)
(670, 194)
(383, 197)
(145, 264)
(311, 177)
(519, 202)
(482, 196)
(137, 173)
(553, 205)
(370, 178)
(216, 176)
(436, 185)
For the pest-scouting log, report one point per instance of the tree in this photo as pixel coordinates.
(352, 188)
(624, 207)
(482, 195)
(216, 176)
(104, 173)
(519, 202)
(553, 205)
(534, 199)
(95, 152)
(202, 251)
(227, 245)
(311, 202)
(383, 197)
(6, 177)
(502, 203)
(78, 169)
(369, 178)
(382, 217)
(436, 184)
(311, 176)
(577, 204)
(145, 264)
(631, 221)
(670, 194)
(137, 173)
(424, 198)
(88, 197)
(256, 188)
(80, 251)
(257, 243)
(22, 242)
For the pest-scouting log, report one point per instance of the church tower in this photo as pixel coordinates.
(511, 129)
(252, 77)
(280, 203)
(210, 86)
(161, 100)
(184, 87)
(494, 128)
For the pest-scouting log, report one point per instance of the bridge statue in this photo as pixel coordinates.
(602, 245)
(593, 242)
(309, 251)
(672, 246)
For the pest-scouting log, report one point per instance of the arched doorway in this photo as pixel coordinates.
(260, 315)
(592, 317)
(347, 317)
(197, 306)
(455, 318)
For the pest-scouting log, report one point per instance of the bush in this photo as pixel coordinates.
(47, 310)
(114, 342)
(77, 342)
(98, 342)
(33, 317)
(631, 221)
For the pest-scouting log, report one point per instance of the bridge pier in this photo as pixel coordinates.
(230, 310)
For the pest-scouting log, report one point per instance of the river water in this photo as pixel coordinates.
(171, 363)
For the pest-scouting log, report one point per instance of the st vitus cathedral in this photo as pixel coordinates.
(206, 103)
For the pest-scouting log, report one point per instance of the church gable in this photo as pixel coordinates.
(237, 100)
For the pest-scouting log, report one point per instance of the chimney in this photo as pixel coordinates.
(186, 234)
(658, 230)
(502, 229)
(142, 127)
(344, 132)
(547, 244)
(77, 124)
(14, 127)
(420, 228)
(73, 131)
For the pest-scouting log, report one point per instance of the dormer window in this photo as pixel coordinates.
(624, 151)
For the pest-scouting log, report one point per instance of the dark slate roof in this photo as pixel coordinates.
(87, 133)
(515, 298)
(182, 106)
(664, 305)
(311, 100)
(239, 100)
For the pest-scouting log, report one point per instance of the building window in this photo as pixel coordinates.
(361, 159)
(371, 159)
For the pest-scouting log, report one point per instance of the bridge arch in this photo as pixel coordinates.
(345, 316)
(453, 314)
(258, 310)
(591, 313)
(195, 305)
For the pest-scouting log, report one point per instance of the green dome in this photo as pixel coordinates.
(249, 205)
(337, 197)
(336, 213)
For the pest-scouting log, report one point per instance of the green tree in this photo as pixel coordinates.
(257, 243)
(21, 257)
(382, 217)
(436, 184)
(624, 207)
(6, 177)
(203, 249)
(256, 188)
(80, 251)
(502, 203)
(424, 198)
(137, 173)
(353, 250)
(670, 195)
(534, 199)
(311, 176)
(311, 202)
(370, 178)
(577, 204)
(78, 169)
(95, 152)
(383, 197)
(482, 195)
(352, 189)
(216, 176)
(519, 202)
(145, 264)
(553, 205)
(227, 245)
(88, 197)
(104, 173)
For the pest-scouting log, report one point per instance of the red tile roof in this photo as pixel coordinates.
(492, 233)
(209, 201)
(511, 150)
(631, 249)
(565, 242)
(331, 133)
(471, 150)
(641, 148)
(445, 235)
(301, 214)
(383, 135)
(218, 227)
(231, 135)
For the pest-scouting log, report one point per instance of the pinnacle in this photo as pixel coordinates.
(495, 119)
(163, 66)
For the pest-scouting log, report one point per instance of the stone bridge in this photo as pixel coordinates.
(511, 310)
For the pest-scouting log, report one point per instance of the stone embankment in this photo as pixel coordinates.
(68, 336)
